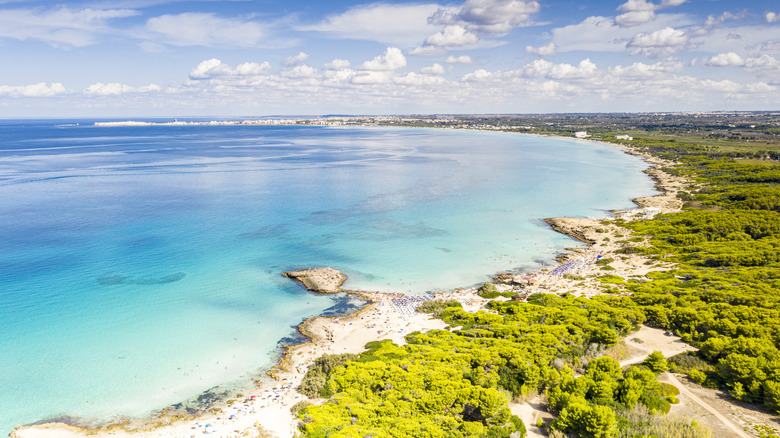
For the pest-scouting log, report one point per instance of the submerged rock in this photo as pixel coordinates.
(322, 280)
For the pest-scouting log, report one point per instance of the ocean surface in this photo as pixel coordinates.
(141, 266)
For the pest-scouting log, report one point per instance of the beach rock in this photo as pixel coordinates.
(322, 280)
(570, 227)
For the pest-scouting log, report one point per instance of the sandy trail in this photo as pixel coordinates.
(733, 428)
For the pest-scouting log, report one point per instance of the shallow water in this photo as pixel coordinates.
(141, 266)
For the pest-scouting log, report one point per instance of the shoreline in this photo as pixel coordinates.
(266, 407)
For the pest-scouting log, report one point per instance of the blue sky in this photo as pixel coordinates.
(252, 58)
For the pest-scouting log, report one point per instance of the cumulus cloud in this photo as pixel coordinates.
(771, 17)
(252, 69)
(337, 64)
(546, 50)
(770, 46)
(435, 69)
(489, 16)
(662, 42)
(583, 70)
(713, 20)
(634, 18)
(644, 72)
(454, 35)
(62, 26)
(637, 12)
(480, 75)
(763, 64)
(724, 60)
(203, 29)
(397, 24)
(391, 60)
(41, 89)
(603, 34)
(428, 51)
(295, 60)
(462, 59)
(115, 89)
(637, 5)
(212, 68)
(300, 71)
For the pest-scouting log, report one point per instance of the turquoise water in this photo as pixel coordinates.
(141, 266)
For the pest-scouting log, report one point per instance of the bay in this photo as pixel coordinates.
(141, 266)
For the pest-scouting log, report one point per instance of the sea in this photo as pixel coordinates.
(140, 266)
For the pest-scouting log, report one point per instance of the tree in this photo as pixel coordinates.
(656, 362)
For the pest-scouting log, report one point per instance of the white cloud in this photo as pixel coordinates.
(35, 90)
(337, 64)
(480, 75)
(210, 68)
(428, 51)
(435, 69)
(603, 34)
(724, 60)
(391, 60)
(115, 89)
(300, 71)
(764, 64)
(771, 17)
(453, 35)
(202, 29)
(713, 20)
(637, 12)
(584, 70)
(373, 77)
(295, 60)
(495, 16)
(214, 68)
(546, 50)
(252, 68)
(397, 24)
(539, 67)
(662, 42)
(642, 71)
(634, 18)
(462, 59)
(59, 27)
(770, 46)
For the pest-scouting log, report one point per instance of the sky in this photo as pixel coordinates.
(168, 58)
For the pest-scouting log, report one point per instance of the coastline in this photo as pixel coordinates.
(265, 409)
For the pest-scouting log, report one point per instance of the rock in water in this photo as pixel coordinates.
(322, 280)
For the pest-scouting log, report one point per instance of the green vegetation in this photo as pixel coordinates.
(458, 383)
(721, 297)
(488, 290)
(437, 307)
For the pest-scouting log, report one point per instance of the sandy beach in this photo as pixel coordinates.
(265, 410)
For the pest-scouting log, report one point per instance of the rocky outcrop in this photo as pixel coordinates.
(321, 280)
(569, 227)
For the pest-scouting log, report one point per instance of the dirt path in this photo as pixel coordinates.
(733, 428)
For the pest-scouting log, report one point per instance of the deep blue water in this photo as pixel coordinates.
(140, 266)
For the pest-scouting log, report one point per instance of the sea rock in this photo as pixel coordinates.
(571, 227)
(322, 280)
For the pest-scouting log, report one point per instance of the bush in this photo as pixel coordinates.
(437, 307)
(313, 383)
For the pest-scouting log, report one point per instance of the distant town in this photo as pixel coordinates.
(744, 126)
